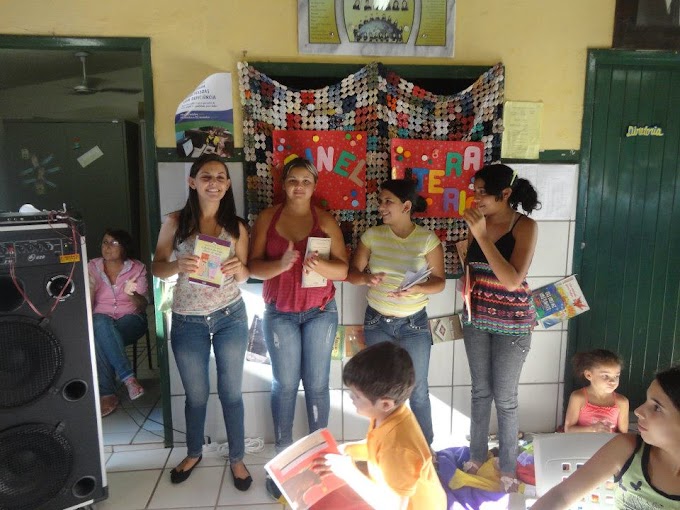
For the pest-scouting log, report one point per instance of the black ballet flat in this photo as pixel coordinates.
(180, 476)
(242, 484)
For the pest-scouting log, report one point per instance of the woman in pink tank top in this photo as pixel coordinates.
(299, 322)
(597, 407)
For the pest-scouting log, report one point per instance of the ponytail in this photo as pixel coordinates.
(524, 194)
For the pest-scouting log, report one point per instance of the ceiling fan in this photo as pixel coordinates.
(85, 86)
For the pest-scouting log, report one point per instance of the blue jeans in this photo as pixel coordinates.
(300, 346)
(110, 338)
(192, 335)
(495, 366)
(413, 334)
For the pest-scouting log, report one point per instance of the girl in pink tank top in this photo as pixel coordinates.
(597, 407)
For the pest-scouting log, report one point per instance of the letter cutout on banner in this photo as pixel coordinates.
(339, 157)
(443, 172)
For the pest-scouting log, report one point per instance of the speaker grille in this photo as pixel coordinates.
(35, 464)
(30, 359)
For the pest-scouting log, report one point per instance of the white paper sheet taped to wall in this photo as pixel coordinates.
(557, 187)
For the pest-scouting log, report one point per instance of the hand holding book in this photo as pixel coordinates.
(412, 278)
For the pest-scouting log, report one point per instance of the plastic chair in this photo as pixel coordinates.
(148, 350)
(556, 456)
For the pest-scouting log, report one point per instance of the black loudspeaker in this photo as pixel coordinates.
(51, 449)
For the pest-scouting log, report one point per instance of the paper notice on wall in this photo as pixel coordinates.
(204, 121)
(556, 186)
(90, 156)
(521, 130)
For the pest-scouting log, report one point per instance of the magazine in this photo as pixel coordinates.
(321, 245)
(302, 487)
(559, 301)
(212, 252)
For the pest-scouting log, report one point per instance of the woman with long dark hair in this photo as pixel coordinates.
(394, 314)
(498, 323)
(205, 316)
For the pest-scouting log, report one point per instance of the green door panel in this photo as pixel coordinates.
(627, 249)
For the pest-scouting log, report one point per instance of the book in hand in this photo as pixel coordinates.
(412, 278)
(559, 301)
(321, 245)
(211, 252)
(301, 486)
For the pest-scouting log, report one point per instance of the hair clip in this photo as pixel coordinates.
(514, 176)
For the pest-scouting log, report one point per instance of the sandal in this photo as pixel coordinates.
(135, 389)
(108, 404)
(471, 467)
(509, 484)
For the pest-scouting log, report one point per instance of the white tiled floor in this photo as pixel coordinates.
(138, 466)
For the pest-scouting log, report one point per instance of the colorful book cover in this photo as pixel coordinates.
(302, 487)
(212, 252)
(354, 340)
(559, 301)
(321, 245)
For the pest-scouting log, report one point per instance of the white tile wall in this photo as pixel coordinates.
(541, 383)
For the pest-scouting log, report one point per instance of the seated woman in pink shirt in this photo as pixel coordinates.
(118, 289)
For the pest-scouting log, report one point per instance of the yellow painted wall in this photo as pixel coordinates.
(541, 42)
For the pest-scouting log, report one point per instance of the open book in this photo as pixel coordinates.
(301, 486)
(412, 278)
(559, 301)
(211, 252)
(321, 245)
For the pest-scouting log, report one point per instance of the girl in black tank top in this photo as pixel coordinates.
(498, 316)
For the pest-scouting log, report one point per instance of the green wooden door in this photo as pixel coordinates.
(627, 244)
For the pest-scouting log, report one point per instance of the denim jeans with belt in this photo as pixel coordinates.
(110, 338)
(192, 336)
(413, 334)
(300, 346)
(495, 366)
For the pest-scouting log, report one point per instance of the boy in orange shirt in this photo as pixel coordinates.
(401, 474)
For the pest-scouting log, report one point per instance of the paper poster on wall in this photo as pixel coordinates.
(204, 121)
(556, 186)
(443, 171)
(521, 130)
(340, 158)
(377, 27)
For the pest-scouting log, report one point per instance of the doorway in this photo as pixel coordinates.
(93, 79)
(627, 244)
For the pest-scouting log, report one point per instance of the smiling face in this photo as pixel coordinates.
(299, 184)
(603, 378)
(391, 209)
(658, 418)
(489, 204)
(211, 181)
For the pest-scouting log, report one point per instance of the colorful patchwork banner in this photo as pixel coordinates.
(379, 102)
(340, 158)
(443, 170)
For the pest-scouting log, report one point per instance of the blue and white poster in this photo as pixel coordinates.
(204, 122)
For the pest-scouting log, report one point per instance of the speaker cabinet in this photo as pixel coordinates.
(51, 449)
